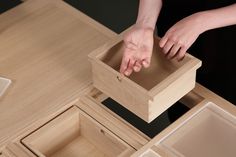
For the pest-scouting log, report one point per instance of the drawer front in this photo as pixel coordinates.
(120, 90)
(171, 94)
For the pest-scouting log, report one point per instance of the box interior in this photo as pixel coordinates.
(211, 132)
(74, 134)
(159, 69)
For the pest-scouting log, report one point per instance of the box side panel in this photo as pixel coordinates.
(175, 91)
(120, 90)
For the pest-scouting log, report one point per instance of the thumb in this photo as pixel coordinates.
(163, 41)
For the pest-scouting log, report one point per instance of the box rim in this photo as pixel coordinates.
(192, 63)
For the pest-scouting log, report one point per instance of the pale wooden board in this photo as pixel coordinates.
(43, 48)
(82, 147)
(16, 150)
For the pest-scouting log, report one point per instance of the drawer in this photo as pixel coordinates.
(75, 133)
(208, 130)
(149, 92)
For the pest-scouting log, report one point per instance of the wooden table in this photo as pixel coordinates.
(43, 47)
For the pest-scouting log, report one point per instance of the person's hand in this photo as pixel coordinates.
(181, 36)
(137, 52)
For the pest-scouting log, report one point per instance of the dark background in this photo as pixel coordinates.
(8, 4)
(117, 15)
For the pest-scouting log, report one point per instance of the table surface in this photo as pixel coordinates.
(43, 47)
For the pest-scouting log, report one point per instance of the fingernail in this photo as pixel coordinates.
(127, 73)
(161, 45)
(145, 64)
(136, 68)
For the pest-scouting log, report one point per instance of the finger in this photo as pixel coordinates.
(129, 70)
(167, 46)
(146, 55)
(163, 41)
(137, 66)
(181, 53)
(146, 62)
(125, 59)
(174, 50)
(124, 64)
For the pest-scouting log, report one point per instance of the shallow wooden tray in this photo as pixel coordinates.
(209, 129)
(75, 133)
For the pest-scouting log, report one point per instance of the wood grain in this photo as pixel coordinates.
(43, 47)
(76, 133)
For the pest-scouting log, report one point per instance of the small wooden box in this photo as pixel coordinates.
(149, 92)
(211, 131)
(74, 133)
(207, 130)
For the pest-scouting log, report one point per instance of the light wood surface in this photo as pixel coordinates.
(43, 48)
(16, 150)
(75, 133)
(91, 103)
(216, 126)
(149, 92)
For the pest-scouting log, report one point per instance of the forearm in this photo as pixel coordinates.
(148, 13)
(217, 18)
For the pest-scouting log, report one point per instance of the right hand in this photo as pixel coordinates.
(138, 45)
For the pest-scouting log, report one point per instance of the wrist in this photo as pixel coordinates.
(204, 21)
(145, 26)
(146, 23)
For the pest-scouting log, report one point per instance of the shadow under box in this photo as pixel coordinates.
(149, 129)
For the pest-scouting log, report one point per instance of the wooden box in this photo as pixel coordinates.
(149, 92)
(75, 133)
(208, 130)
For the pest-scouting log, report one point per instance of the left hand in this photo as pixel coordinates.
(181, 36)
